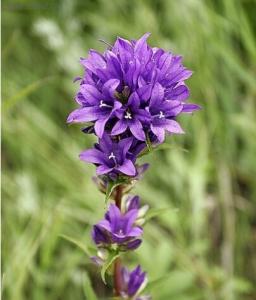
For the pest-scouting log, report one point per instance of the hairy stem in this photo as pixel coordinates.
(117, 264)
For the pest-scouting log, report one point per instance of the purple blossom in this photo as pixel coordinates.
(133, 283)
(117, 228)
(133, 89)
(111, 156)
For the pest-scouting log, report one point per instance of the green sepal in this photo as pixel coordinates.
(113, 255)
(112, 185)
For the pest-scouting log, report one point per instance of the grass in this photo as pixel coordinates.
(205, 249)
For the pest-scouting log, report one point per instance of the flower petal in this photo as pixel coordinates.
(159, 132)
(119, 127)
(114, 216)
(157, 94)
(189, 108)
(133, 244)
(109, 88)
(127, 168)
(90, 93)
(93, 156)
(129, 219)
(103, 169)
(179, 93)
(137, 130)
(85, 114)
(100, 126)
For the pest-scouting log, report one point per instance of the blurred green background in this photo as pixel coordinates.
(205, 249)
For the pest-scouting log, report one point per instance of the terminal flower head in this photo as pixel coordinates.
(133, 89)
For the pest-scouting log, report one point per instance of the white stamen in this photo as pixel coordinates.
(128, 116)
(102, 104)
(161, 115)
(111, 156)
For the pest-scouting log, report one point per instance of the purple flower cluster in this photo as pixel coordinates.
(130, 94)
(133, 283)
(118, 229)
(129, 97)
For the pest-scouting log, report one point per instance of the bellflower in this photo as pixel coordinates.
(133, 88)
(111, 156)
(130, 97)
(133, 283)
(117, 228)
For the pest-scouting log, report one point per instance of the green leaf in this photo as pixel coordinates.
(112, 257)
(165, 146)
(77, 243)
(148, 142)
(111, 187)
(88, 290)
(25, 92)
(154, 283)
(155, 212)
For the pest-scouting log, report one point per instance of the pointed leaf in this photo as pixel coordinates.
(155, 212)
(88, 290)
(112, 257)
(77, 243)
(111, 187)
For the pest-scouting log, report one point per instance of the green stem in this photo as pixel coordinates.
(117, 264)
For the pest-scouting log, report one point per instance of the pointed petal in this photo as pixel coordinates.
(104, 224)
(134, 100)
(84, 114)
(141, 45)
(159, 132)
(124, 145)
(99, 235)
(103, 169)
(109, 88)
(119, 127)
(135, 232)
(133, 244)
(137, 130)
(129, 219)
(180, 93)
(173, 127)
(133, 203)
(90, 93)
(92, 156)
(106, 144)
(189, 108)
(114, 216)
(127, 168)
(100, 126)
(157, 94)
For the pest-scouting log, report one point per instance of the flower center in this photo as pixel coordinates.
(120, 231)
(128, 115)
(102, 104)
(161, 115)
(112, 156)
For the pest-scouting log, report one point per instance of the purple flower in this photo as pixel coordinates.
(111, 156)
(133, 117)
(133, 202)
(133, 89)
(117, 228)
(133, 283)
(97, 106)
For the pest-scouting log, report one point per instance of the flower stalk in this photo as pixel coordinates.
(117, 263)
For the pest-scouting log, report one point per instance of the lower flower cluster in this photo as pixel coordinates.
(121, 230)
